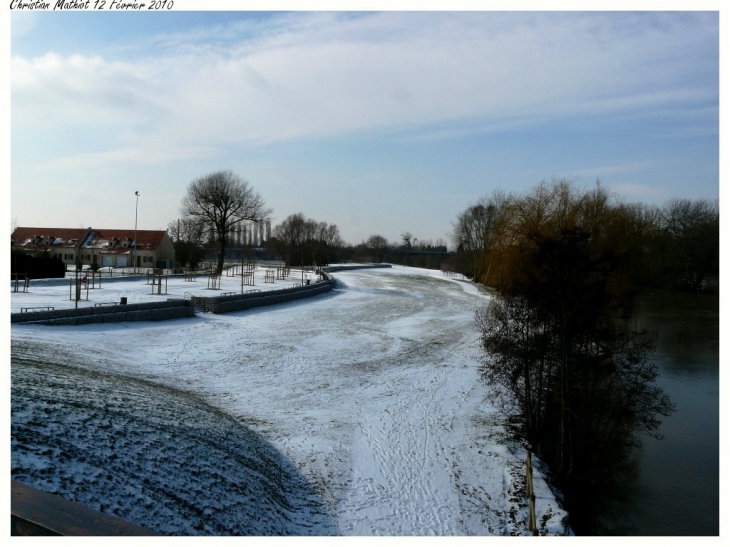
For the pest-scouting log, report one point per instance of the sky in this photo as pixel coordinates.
(382, 122)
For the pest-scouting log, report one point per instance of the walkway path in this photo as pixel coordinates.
(371, 391)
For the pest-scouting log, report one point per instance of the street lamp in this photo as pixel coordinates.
(135, 231)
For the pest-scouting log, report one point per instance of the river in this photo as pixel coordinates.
(677, 491)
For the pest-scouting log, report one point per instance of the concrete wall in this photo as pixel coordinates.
(240, 302)
(37, 513)
(331, 269)
(176, 309)
(147, 311)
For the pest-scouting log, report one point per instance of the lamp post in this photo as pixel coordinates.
(77, 291)
(135, 231)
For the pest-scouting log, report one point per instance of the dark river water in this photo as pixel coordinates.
(677, 491)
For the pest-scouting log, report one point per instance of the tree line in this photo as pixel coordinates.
(221, 210)
(560, 352)
(674, 247)
(213, 208)
(565, 264)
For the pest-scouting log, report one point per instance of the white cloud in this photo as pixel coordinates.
(621, 168)
(80, 91)
(640, 192)
(324, 74)
(139, 155)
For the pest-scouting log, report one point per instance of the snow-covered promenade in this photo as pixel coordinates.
(358, 412)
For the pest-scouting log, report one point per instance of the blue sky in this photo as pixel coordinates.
(379, 122)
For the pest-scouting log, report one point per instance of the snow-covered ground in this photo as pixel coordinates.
(58, 293)
(359, 412)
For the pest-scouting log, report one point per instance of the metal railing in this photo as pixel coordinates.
(37, 513)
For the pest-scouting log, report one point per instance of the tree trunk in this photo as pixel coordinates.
(221, 255)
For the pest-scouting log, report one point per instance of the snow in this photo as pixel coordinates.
(57, 293)
(359, 412)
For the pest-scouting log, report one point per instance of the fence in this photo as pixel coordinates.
(251, 299)
(26, 282)
(112, 313)
(173, 308)
(531, 524)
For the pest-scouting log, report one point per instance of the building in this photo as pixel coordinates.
(103, 248)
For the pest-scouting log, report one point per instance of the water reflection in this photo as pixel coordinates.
(677, 489)
(686, 329)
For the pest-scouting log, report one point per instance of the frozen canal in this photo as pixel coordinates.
(359, 412)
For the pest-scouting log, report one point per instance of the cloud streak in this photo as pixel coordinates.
(341, 114)
(323, 75)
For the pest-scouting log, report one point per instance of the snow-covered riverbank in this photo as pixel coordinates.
(359, 412)
(57, 293)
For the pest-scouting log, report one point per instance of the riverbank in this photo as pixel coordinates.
(371, 391)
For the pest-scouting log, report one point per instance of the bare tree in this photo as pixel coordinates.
(188, 235)
(189, 230)
(222, 200)
(305, 240)
(691, 230)
(479, 230)
(408, 240)
(559, 340)
(327, 239)
(378, 245)
(293, 232)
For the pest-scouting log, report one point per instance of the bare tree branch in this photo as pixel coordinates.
(222, 200)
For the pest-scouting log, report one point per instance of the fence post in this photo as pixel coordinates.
(531, 524)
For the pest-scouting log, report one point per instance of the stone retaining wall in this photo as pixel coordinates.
(176, 308)
(331, 269)
(146, 311)
(241, 302)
